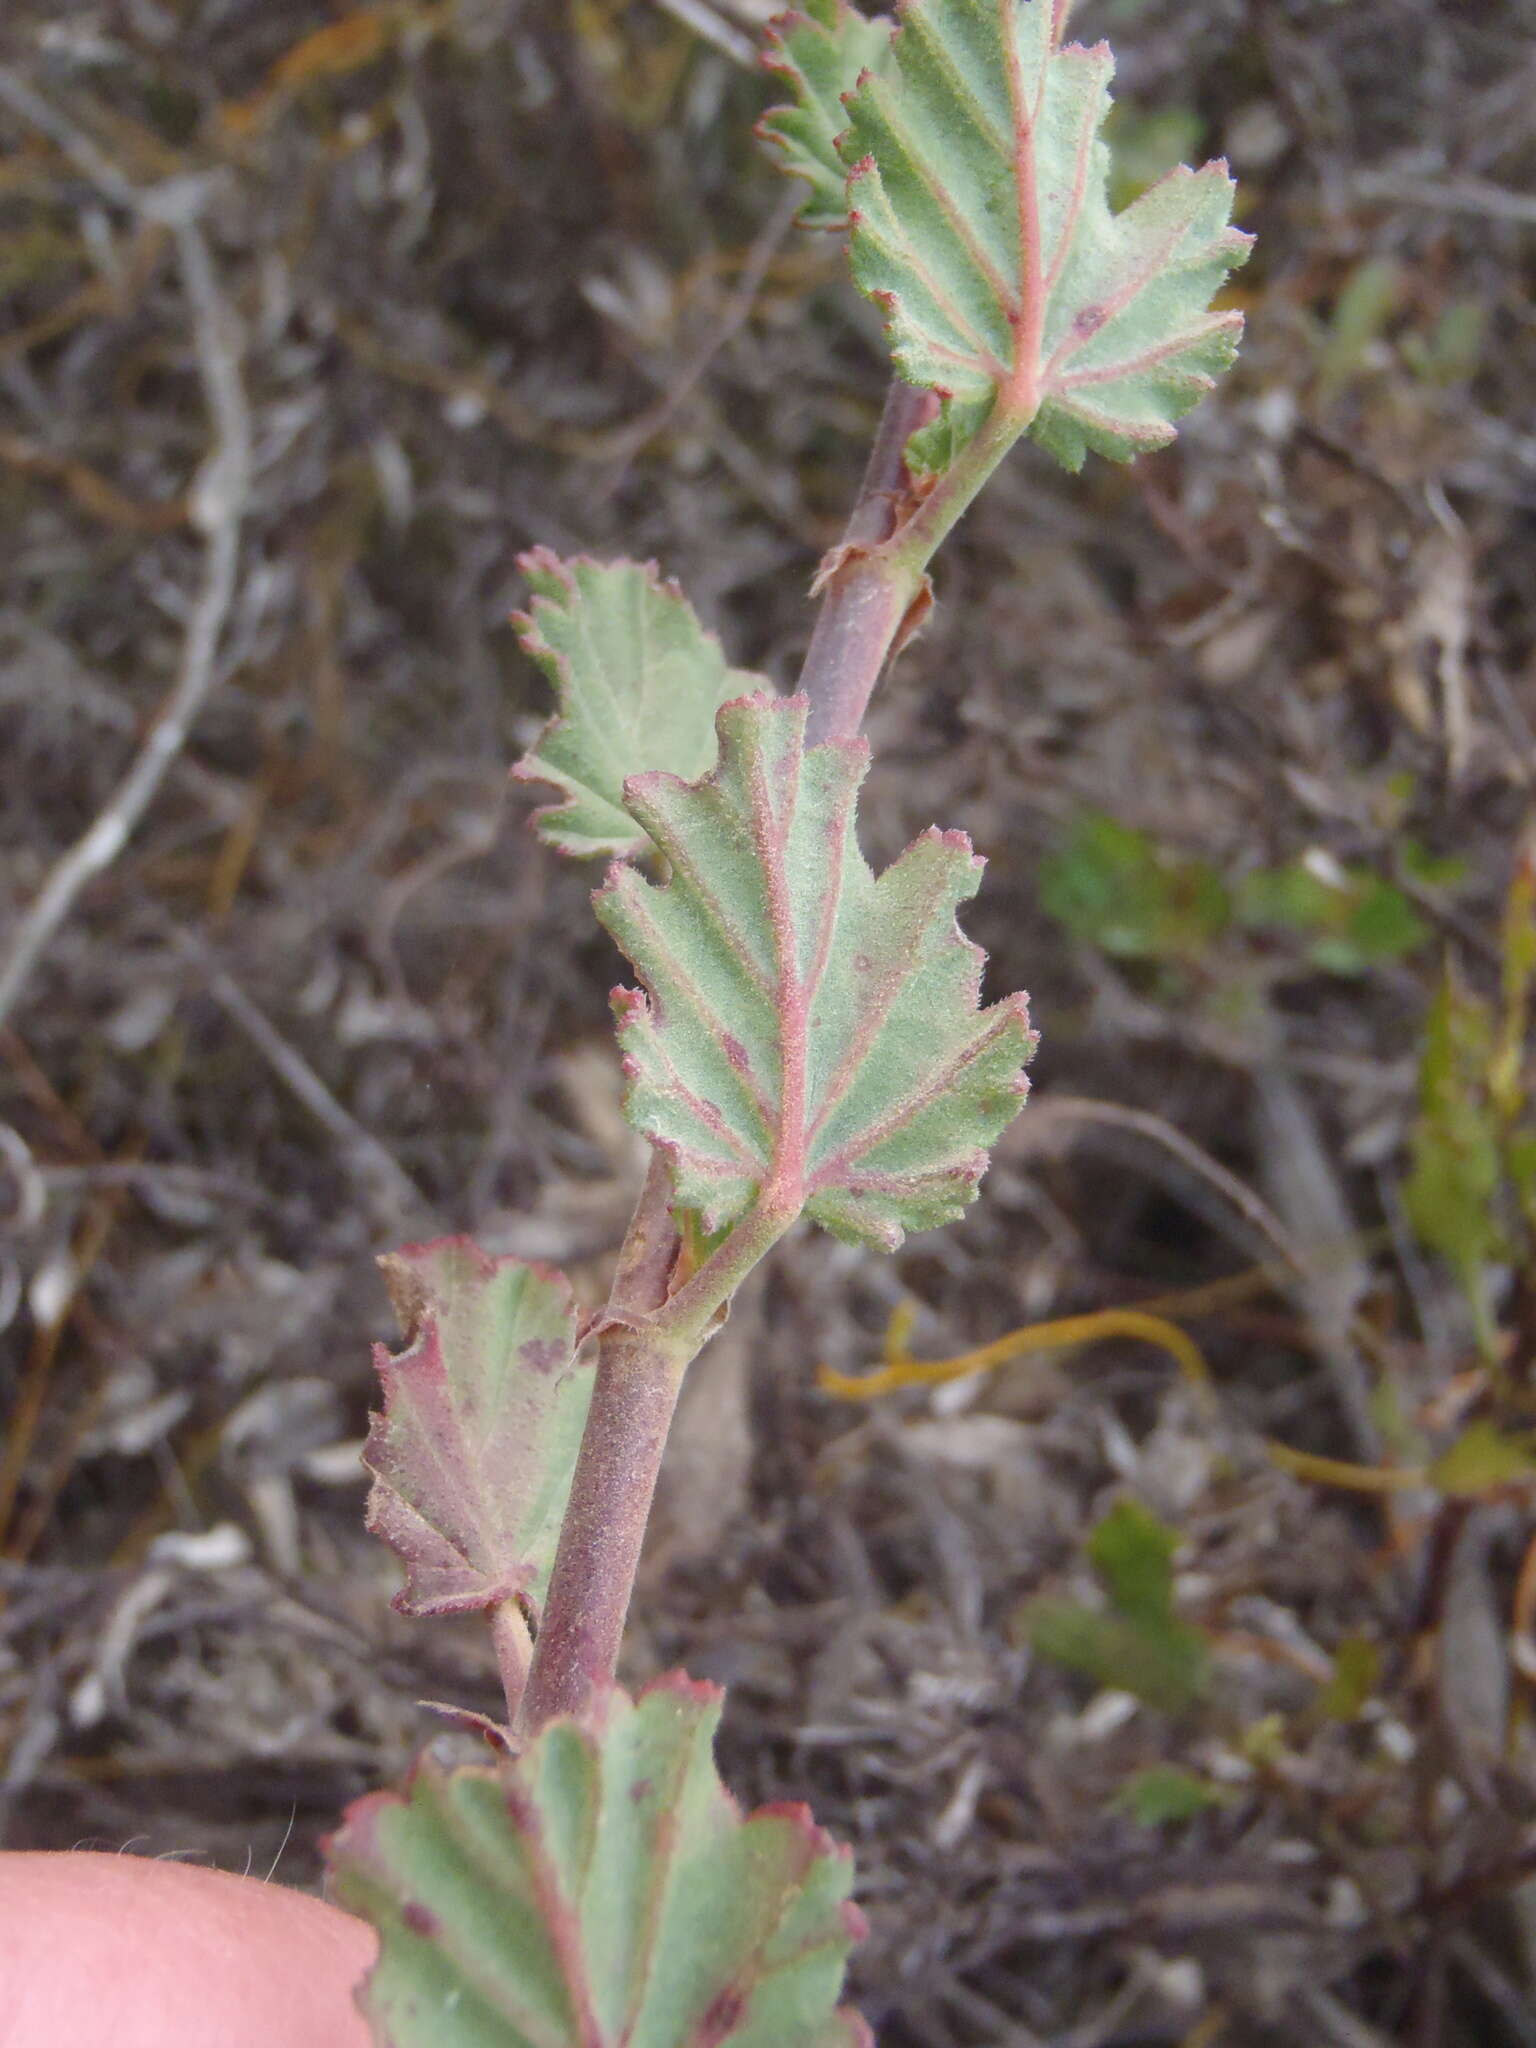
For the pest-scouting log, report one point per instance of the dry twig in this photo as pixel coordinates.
(388, 1187)
(1475, 196)
(218, 505)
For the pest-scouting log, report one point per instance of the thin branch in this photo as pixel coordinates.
(640, 1366)
(387, 1184)
(620, 1457)
(1450, 195)
(708, 26)
(633, 1399)
(624, 444)
(218, 507)
(82, 152)
(650, 1247)
(1252, 1208)
(873, 518)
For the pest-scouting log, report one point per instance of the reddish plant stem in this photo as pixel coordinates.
(864, 604)
(640, 1368)
(877, 577)
(650, 1247)
(874, 515)
(615, 1475)
(611, 1493)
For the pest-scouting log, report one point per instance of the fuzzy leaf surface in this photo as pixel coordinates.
(602, 1890)
(821, 52)
(807, 1030)
(979, 204)
(637, 681)
(483, 1411)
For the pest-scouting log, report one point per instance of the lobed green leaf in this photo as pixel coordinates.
(638, 682)
(808, 1034)
(981, 223)
(822, 52)
(1164, 1795)
(602, 1890)
(483, 1412)
(1139, 1645)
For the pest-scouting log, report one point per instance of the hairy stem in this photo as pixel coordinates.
(960, 485)
(862, 608)
(650, 1247)
(692, 1315)
(641, 1361)
(638, 1380)
(877, 576)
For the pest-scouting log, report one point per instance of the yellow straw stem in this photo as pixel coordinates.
(1340, 1472)
(902, 1370)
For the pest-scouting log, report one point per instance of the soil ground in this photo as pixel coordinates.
(483, 273)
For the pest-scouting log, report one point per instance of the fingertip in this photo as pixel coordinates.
(172, 1955)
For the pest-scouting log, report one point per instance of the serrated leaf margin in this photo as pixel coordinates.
(557, 584)
(821, 49)
(441, 1575)
(1014, 350)
(363, 1856)
(867, 1204)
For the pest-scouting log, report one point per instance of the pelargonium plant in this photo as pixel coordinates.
(806, 1040)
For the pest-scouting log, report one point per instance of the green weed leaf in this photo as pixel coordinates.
(1145, 144)
(1456, 1175)
(1164, 1795)
(1352, 918)
(821, 52)
(483, 1411)
(1430, 870)
(807, 1030)
(1164, 1664)
(978, 199)
(1452, 351)
(1471, 1193)
(602, 1890)
(638, 682)
(1367, 301)
(1115, 887)
(1133, 1553)
(1355, 1677)
(1483, 1460)
(1137, 1644)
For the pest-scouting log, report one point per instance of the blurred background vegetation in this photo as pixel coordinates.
(1170, 1669)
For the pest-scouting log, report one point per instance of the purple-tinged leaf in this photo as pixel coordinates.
(483, 1412)
(602, 1890)
(809, 1034)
